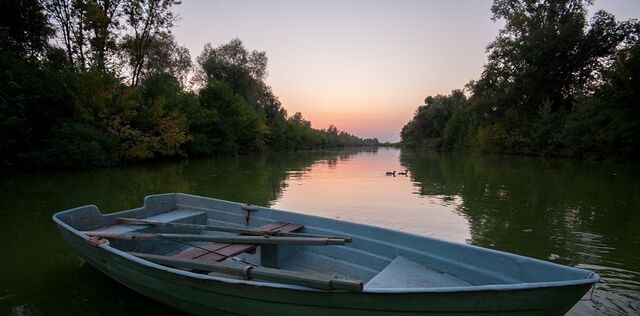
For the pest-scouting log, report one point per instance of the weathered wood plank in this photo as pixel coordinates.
(194, 252)
(272, 227)
(235, 249)
(215, 255)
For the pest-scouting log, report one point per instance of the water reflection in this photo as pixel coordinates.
(580, 214)
(39, 274)
(356, 188)
(575, 213)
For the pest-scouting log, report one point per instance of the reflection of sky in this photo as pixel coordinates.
(361, 65)
(357, 189)
(568, 213)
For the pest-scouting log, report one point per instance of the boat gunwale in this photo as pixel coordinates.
(592, 278)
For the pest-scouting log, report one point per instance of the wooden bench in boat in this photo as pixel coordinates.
(222, 251)
(278, 241)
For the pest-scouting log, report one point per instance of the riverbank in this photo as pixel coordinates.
(8, 170)
(608, 158)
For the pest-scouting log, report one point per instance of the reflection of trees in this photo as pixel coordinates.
(332, 156)
(252, 179)
(538, 207)
(31, 199)
(256, 180)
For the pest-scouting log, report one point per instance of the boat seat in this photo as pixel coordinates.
(221, 251)
(404, 273)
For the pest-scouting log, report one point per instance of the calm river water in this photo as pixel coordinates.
(575, 213)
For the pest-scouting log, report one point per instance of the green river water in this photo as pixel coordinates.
(581, 214)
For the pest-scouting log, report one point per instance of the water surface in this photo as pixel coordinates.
(575, 213)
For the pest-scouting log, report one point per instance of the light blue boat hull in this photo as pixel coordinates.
(498, 283)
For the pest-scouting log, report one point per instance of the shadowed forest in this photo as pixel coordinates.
(558, 81)
(96, 83)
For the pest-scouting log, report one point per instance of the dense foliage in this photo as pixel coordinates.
(554, 84)
(94, 83)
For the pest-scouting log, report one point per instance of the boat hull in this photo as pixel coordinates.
(204, 296)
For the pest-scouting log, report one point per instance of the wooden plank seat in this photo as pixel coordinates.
(221, 251)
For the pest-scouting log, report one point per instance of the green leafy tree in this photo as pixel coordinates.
(554, 84)
(102, 22)
(69, 104)
(608, 122)
(428, 124)
(166, 57)
(236, 126)
(146, 20)
(78, 145)
(32, 102)
(545, 56)
(24, 30)
(242, 70)
(70, 19)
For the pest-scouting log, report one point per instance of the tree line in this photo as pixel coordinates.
(556, 83)
(96, 83)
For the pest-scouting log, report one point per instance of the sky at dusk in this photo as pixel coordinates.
(364, 66)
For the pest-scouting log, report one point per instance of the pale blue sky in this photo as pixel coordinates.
(363, 66)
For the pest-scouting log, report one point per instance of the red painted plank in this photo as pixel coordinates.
(272, 226)
(194, 252)
(212, 256)
(235, 249)
(222, 251)
(290, 228)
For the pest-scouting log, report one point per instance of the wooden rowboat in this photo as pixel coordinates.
(203, 255)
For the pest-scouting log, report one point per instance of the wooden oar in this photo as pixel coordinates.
(261, 240)
(244, 231)
(261, 273)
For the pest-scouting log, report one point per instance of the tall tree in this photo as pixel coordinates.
(165, 57)
(232, 62)
(430, 119)
(545, 57)
(544, 54)
(64, 15)
(102, 21)
(146, 19)
(70, 17)
(547, 86)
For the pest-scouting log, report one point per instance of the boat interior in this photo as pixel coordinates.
(384, 260)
